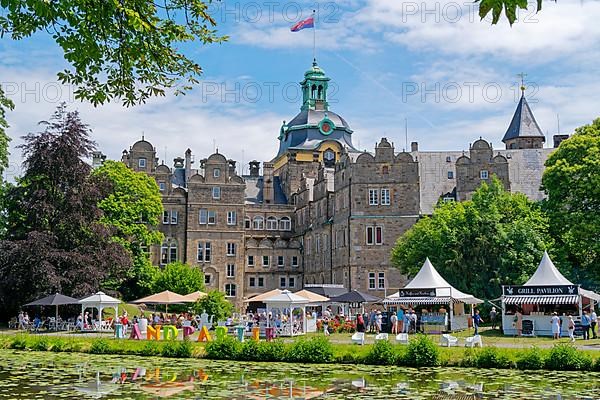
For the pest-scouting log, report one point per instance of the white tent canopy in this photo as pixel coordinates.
(429, 278)
(100, 301)
(548, 275)
(286, 302)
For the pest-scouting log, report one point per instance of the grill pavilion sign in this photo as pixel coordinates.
(540, 290)
(417, 293)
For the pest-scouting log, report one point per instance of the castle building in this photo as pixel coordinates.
(321, 212)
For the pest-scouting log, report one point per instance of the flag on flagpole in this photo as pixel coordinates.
(307, 23)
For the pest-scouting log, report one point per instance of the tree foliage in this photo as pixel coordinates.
(133, 208)
(510, 8)
(477, 245)
(54, 240)
(179, 278)
(5, 104)
(118, 49)
(572, 184)
(214, 303)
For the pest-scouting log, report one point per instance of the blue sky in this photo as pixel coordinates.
(453, 77)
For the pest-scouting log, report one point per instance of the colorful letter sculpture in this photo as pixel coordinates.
(255, 333)
(239, 330)
(220, 332)
(170, 332)
(153, 332)
(188, 330)
(135, 332)
(204, 336)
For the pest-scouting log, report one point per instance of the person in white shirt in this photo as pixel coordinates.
(555, 325)
(594, 319)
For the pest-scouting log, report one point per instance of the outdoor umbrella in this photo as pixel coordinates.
(355, 297)
(193, 297)
(263, 296)
(312, 296)
(167, 297)
(54, 300)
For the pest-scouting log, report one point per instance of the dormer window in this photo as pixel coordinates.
(142, 163)
(483, 174)
(216, 172)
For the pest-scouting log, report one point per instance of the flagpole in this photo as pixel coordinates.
(314, 38)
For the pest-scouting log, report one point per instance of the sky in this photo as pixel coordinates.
(432, 65)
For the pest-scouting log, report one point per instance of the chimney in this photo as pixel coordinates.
(268, 191)
(231, 164)
(414, 146)
(558, 139)
(188, 164)
(254, 168)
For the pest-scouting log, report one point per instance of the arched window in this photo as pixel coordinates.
(230, 290)
(168, 252)
(259, 223)
(285, 224)
(271, 224)
(320, 93)
(313, 91)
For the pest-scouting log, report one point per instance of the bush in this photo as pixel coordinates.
(100, 346)
(184, 349)
(223, 349)
(531, 359)
(491, 357)
(565, 357)
(421, 352)
(41, 344)
(169, 349)
(19, 342)
(150, 348)
(59, 345)
(314, 350)
(273, 351)
(382, 353)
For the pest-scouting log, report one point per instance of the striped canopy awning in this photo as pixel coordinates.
(571, 299)
(418, 300)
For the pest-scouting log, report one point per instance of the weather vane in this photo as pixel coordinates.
(522, 75)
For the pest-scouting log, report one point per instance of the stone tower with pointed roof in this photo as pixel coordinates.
(523, 131)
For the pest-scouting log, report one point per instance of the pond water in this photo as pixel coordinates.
(38, 375)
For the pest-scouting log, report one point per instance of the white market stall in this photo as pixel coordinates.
(100, 301)
(429, 289)
(547, 291)
(286, 312)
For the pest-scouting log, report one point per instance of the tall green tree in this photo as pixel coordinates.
(133, 208)
(55, 241)
(572, 184)
(179, 278)
(496, 238)
(5, 104)
(128, 50)
(214, 304)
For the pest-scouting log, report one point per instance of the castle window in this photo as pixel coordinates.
(374, 235)
(142, 163)
(203, 254)
(231, 249)
(207, 279)
(450, 174)
(251, 261)
(285, 224)
(247, 223)
(265, 261)
(373, 197)
(371, 280)
(230, 270)
(280, 261)
(230, 290)
(173, 217)
(282, 281)
(313, 91)
(385, 197)
(384, 170)
(216, 172)
(447, 199)
(261, 282)
(320, 92)
(291, 282)
(259, 223)
(168, 253)
(212, 217)
(231, 218)
(448, 159)
(294, 261)
(483, 174)
(165, 217)
(216, 192)
(161, 186)
(252, 281)
(381, 280)
(271, 224)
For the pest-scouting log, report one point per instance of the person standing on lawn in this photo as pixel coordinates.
(555, 321)
(394, 322)
(594, 319)
(493, 315)
(571, 328)
(585, 325)
(476, 321)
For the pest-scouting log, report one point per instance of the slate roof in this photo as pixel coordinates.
(523, 123)
(254, 190)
